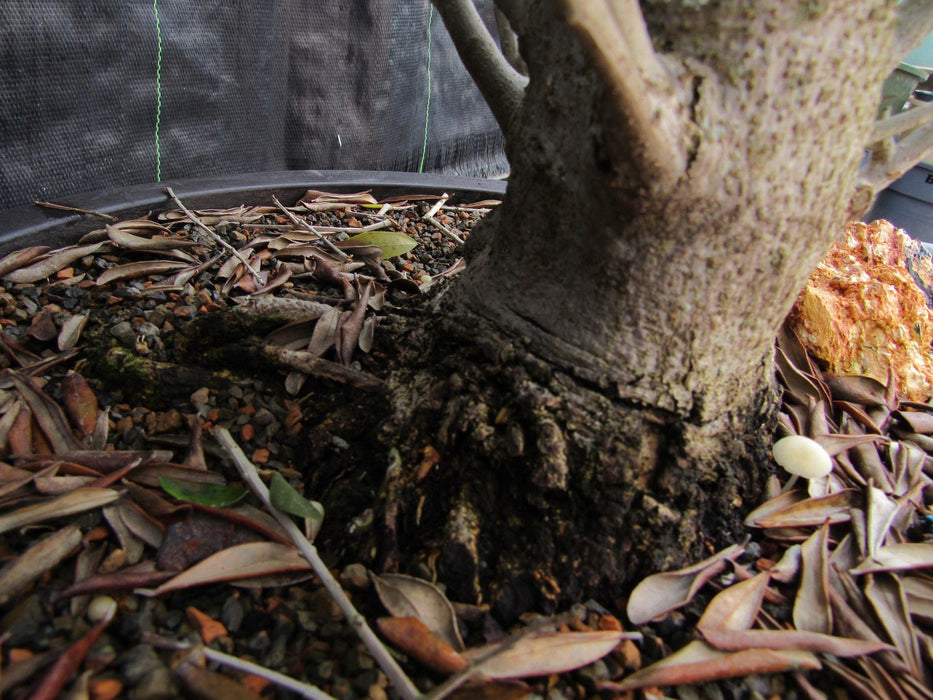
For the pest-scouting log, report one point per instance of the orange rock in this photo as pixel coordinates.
(261, 455)
(255, 684)
(863, 313)
(105, 688)
(209, 628)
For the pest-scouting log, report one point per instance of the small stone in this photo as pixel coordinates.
(324, 606)
(101, 607)
(355, 576)
(232, 612)
(263, 417)
(124, 333)
(138, 662)
(157, 685)
(201, 396)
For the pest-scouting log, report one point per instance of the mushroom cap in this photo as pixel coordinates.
(802, 456)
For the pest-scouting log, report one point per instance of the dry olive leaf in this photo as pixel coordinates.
(736, 607)
(19, 258)
(812, 612)
(406, 596)
(49, 266)
(238, 562)
(39, 558)
(413, 637)
(139, 269)
(391, 244)
(697, 662)
(811, 511)
(659, 594)
(78, 501)
(544, 654)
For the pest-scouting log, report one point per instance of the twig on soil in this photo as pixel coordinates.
(65, 207)
(214, 237)
(308, 227)
(381, 655)
(301, 361)
(305, 690)
(446, 231)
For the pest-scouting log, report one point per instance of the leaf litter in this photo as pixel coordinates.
(847, 558)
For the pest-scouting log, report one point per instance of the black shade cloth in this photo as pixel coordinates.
(99, 94)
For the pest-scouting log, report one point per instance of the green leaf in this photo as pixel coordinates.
(214, 495)
(288, 500)
(392, 243)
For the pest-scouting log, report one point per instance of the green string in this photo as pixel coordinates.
(158, 120)
(427, 107)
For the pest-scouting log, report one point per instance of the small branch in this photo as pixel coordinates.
(904, 121)
(502, 86)
(301, 361)
(257, 275)
(65, 207)
(305, 690)
(910, 150)
(914, 23)
(403, 685)
(508, 41)
(616, 39)
(308, 227)
(516, 11)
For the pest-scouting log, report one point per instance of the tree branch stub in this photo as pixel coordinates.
(501, 85)
(616, 38)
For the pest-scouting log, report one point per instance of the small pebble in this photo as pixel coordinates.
(101, 607)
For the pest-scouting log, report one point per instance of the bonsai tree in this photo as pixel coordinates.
(597, 388)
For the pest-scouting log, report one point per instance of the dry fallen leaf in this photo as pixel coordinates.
(414, 638)
(406, 596)
(698, 662)
(544, 654)
(239, 562)
(659, 594)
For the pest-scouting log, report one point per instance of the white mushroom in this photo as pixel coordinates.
(802, 456)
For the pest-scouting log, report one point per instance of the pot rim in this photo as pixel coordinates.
(34, 225)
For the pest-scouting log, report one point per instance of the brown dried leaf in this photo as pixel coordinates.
(858, 390)
(78, 501)
(895, 557)
(120, 236)
(42, 327)
(811, 511)
(736, 607)
(139, 269)
(49, 266)
(812, 612)
(80, 403)
(413, 637)
(70, 331)
(886, 597)
(787, 640)
(697, 662)
(242, 561)
(544, 654)
(406, 596)
(19, 258)
(47, 414)
(139, 576)
(35, 561)
(659, 594)
(325, 333)
(917, 421)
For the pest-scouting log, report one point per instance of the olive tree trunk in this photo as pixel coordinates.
(597, 399)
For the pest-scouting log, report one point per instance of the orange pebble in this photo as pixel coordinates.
(17, 655)
(261, 456)
(105, 688)
(609, 623)
(255, 684)
(247, 432)
(209, 628)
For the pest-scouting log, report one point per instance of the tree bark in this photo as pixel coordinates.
(598, 396)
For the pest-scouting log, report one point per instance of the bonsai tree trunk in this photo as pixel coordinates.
(594, 400)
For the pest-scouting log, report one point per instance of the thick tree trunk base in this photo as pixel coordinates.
(521, 486)
(509, 480)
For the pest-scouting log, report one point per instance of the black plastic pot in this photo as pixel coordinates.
(27, 226)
